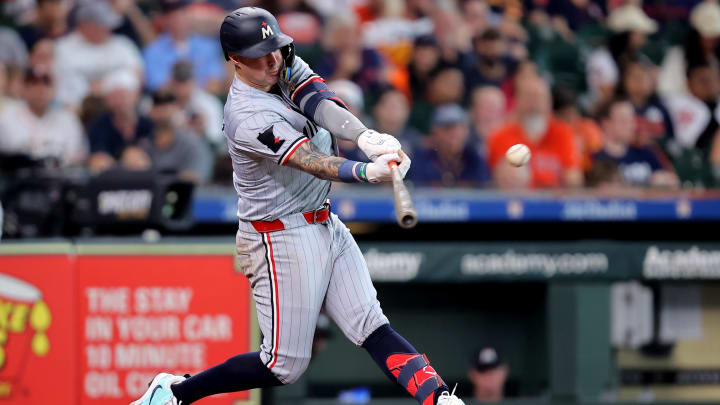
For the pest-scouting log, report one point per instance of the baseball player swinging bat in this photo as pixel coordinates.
(281, 123)
(404, 209)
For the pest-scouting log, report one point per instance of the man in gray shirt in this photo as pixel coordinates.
(281, 121)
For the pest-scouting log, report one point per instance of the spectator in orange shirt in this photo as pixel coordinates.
(588, 135)
(555, 159)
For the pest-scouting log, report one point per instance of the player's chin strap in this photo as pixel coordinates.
(288, 55)
(416, 375)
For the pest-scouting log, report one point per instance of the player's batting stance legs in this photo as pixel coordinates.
(396, 357)
(294, 272)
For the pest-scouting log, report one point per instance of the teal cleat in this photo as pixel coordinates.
(159, 392)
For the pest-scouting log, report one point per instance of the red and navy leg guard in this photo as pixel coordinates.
(416, 375)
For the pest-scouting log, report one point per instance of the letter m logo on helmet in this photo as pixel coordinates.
(252, 32)
(266, 30)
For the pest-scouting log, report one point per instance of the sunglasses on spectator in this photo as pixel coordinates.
(33, 77)
(162, 98)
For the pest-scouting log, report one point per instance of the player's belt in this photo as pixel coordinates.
(311, 217)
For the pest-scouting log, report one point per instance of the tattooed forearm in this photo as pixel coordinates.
(309, 159)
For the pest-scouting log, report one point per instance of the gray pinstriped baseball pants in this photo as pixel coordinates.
(293, 274)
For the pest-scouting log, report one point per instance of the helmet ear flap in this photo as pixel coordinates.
(288, 55)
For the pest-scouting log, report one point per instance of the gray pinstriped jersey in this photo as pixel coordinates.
(296, 271)
(263, 129)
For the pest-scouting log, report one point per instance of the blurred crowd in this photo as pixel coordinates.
(605, 93)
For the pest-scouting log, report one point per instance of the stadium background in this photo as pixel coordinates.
(116, 261)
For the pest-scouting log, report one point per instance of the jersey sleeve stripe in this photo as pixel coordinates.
(313, 78)
(291, 149)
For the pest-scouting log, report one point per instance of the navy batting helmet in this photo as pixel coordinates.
(252, 32)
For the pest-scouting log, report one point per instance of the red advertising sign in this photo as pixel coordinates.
(142, 315)
(37, 320)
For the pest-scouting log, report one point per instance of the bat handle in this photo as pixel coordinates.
(395, 170)
(406, 215)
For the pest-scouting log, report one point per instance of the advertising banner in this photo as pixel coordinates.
(140, 315)
(539, 261)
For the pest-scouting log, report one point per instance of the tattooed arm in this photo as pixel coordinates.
(308, 158)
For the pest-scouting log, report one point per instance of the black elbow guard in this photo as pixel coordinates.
(311, 92)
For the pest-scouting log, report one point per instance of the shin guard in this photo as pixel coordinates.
(416, 375)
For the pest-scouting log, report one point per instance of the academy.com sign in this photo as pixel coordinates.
(511, 263)
(681, 263)
(393, 266)
(584, 260)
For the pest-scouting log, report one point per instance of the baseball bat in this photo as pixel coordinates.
(404, 209)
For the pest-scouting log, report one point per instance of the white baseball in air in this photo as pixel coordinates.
(518, 155)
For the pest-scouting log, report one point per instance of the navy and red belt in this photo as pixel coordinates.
(312, 217)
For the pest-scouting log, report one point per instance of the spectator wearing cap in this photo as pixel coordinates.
(37, 128)
(179, 43)
(202, 112)
(91, 51)
(173, 149)
(122, 127)
(488, 375)
(51, 21)
(638, 165)
(587, 133)
(631, 27)
(448, 158)
(638, 86)
(700, 46)
(555, 158)
(492, 63)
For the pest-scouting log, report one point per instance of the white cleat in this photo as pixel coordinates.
(449, 398)
(159, 392)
